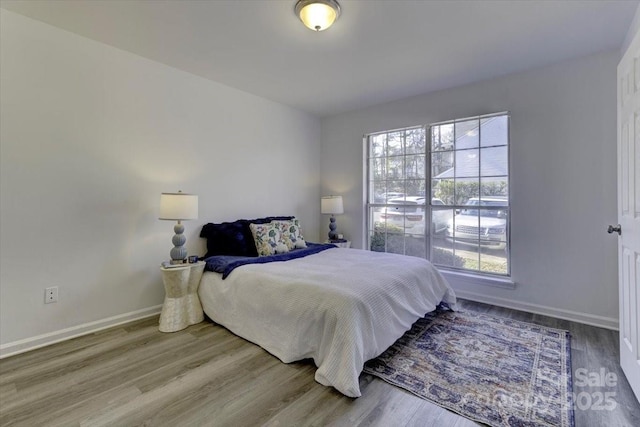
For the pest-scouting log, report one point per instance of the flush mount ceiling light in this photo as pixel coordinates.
(318, 15)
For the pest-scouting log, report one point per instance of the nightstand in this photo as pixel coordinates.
(181, 306)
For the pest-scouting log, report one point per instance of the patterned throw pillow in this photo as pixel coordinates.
(267, 237)
(291, 233)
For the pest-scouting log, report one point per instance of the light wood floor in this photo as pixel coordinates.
(206, 376)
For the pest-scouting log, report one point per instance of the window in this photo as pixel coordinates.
(447, 200)
(397, 186)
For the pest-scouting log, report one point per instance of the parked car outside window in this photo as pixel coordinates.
(384, 197)
(486, 227)
(410, 215)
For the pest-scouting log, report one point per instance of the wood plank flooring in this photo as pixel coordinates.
(205, 376)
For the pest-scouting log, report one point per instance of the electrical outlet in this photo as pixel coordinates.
(51, 295)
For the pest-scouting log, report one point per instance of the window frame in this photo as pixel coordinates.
(370, 204)
(369, 192)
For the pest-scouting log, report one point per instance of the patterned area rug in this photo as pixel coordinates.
(494, 370)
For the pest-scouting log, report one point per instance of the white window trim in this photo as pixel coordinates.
(464, 278)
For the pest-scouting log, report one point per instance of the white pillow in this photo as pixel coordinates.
(281, 248)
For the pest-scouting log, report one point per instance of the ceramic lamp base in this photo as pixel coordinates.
(333, 234)
(178, 252)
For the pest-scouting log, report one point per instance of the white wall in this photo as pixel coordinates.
(634, 27)
(563, 187)
(90, 137)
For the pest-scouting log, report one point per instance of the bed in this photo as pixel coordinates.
(339, 307)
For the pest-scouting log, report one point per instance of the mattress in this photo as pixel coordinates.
(340, 307)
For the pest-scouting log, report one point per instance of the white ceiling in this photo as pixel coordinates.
(377, 51)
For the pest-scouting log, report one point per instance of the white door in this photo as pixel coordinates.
(629, 212)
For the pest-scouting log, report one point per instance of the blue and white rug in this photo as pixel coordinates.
(497, 371)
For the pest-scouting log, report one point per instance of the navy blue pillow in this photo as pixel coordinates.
(227, 238)
(234, 238)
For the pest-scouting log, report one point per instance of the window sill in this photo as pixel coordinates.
(460, 278)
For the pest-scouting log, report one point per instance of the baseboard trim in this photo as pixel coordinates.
(28, 344)
(574, 316)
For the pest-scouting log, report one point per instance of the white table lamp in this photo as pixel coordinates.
(178, 207)
(332, 205)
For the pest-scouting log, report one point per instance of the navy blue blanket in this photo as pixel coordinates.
(225, 264)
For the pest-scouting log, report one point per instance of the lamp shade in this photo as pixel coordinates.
(317, 15)
(331, 205)
(178, 206)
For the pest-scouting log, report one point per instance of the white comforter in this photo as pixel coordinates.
(340, 307)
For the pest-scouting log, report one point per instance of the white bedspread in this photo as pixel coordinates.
(340, 307)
